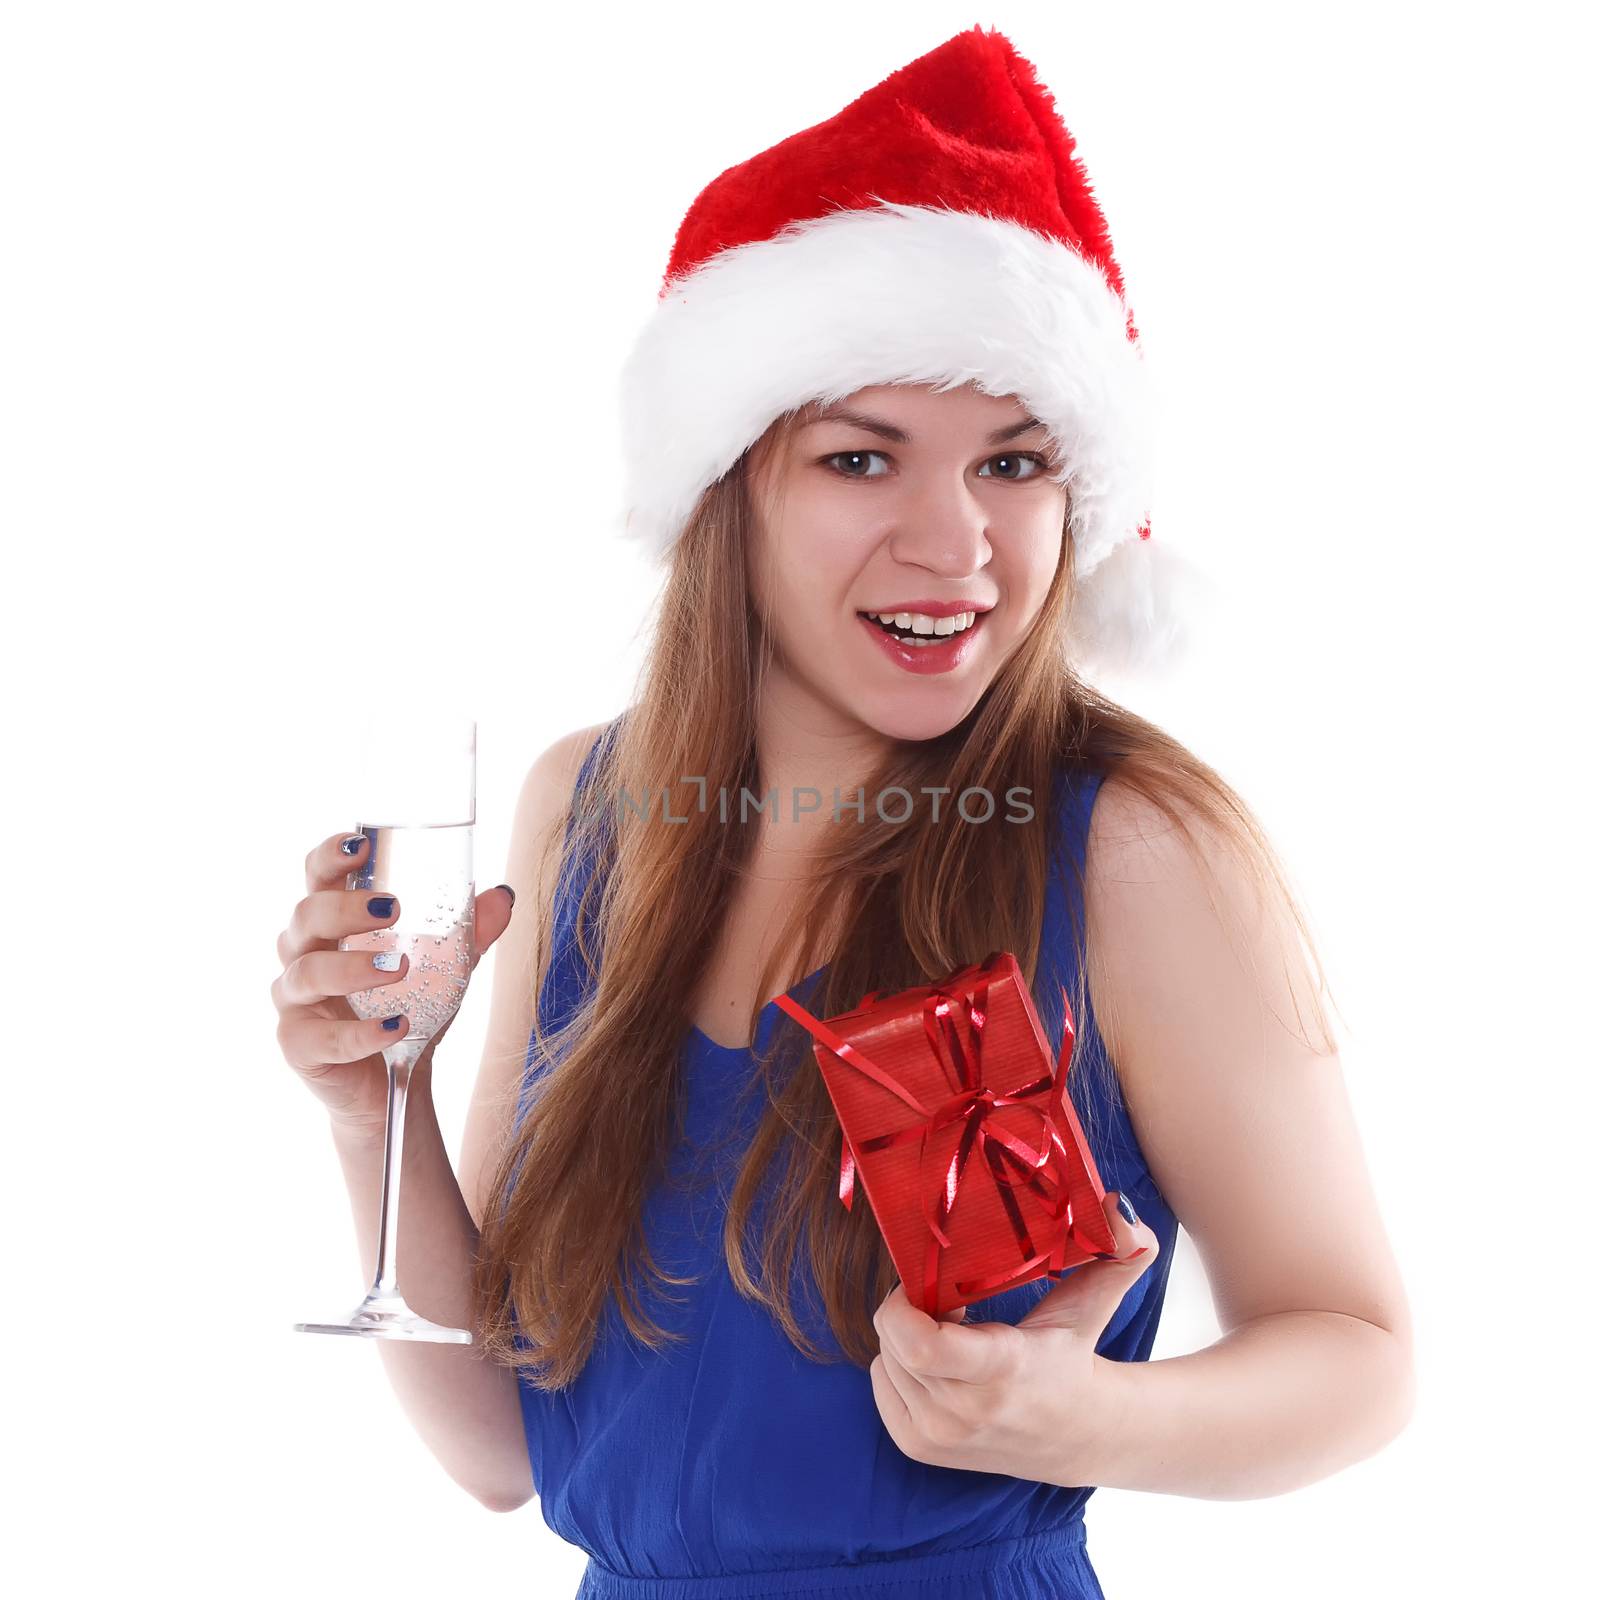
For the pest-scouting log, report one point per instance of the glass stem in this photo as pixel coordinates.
(400, 1059)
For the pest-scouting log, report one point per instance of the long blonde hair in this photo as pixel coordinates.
(906, 902)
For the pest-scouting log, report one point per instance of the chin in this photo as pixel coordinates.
(913, 718)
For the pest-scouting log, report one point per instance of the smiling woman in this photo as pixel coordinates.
(887, 431)
(936, 535)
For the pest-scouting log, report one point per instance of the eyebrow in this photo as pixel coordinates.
(887, 430)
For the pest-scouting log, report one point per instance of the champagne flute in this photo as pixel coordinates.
(420, 787)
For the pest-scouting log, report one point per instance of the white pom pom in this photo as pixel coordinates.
(1135, 613)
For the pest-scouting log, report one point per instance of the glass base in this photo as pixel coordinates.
(389, 1317)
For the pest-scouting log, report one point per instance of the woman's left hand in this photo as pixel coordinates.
(1030, 1400)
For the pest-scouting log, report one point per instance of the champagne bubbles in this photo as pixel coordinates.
(429, 870)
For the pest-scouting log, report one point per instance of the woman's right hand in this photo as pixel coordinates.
(337, 1055)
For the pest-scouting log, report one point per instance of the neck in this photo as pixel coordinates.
(803, 745)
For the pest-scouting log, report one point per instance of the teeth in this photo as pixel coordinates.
(932, 627)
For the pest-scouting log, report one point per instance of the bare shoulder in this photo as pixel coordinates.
(1175, 917)
(548, 786)
(1201, 989)
(532, 864)
(1154, 874)
(1134, 841)
(536, 830)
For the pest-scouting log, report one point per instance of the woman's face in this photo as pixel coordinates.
(935, 508)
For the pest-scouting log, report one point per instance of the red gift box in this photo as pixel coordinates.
(966, 1140)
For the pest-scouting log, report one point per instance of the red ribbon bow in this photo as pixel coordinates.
(1010, 1162)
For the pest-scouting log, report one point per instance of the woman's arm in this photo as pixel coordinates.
(464, 1408)
(1249, 1135)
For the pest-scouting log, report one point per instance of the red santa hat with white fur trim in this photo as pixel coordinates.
(938, 230)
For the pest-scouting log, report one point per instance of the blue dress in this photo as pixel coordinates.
(730, 1465)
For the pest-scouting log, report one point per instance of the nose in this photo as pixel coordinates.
(943, 533)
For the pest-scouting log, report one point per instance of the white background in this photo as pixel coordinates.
(308, 353)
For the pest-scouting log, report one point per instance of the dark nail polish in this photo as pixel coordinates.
(352, 845)
(1125, 1206)
(510, 891)
(381, 905)
(391, 1023)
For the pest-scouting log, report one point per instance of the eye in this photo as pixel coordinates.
(1036, 461)
(1029, 458)
(854, 455)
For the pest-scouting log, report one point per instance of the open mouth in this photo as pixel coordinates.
(957, 627)
(927, 653)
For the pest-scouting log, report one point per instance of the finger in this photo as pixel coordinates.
(913, 1392)
(932, 1347)
(332, 861)
(891, 1403)
(322, 974)
(309, 1041)
(1087, 1298)
(1135, 1239)
(326, 916)
(491, 917)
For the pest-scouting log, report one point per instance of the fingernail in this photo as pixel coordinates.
(387, 961)
(381, 905)
(391, 1023)
(1125, 1206)
(510, 891)
(353, 844)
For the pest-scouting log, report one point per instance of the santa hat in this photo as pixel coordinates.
(938, 230)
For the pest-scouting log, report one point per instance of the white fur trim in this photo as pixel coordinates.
(1136, 613)
(891, 293)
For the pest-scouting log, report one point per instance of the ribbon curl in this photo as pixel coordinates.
(1010, 1162)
